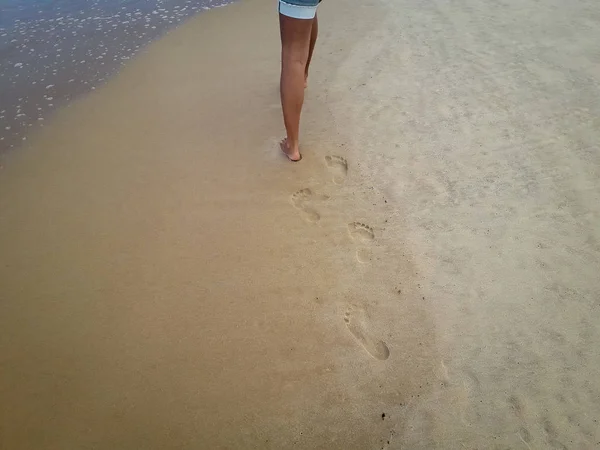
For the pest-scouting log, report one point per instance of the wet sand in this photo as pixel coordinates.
(425, 278)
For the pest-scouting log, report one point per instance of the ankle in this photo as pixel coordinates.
(293, 145)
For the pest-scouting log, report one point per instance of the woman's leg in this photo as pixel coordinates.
(314, 33)
(295, 48)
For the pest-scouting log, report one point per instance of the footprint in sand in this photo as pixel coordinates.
(302, 200)
(301, 197)
(364, 255)
(338, 167)
(360, 231)
(355, 321)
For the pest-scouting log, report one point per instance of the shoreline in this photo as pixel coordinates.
(50, 57)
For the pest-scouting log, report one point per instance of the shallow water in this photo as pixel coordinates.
(52, 51)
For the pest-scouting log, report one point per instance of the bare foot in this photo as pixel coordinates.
(305, 81)
(292, 155)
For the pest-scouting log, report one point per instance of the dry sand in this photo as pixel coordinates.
(426, 278)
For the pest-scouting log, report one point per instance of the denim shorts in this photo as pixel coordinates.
(299, 9)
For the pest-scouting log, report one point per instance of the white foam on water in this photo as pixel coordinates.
(113, 33)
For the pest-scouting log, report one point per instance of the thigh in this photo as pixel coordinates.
(295, 33)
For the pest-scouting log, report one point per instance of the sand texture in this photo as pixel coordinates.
(426, 278)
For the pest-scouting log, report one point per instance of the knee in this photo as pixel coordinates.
(294, 56)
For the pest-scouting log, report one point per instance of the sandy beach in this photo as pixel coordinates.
(426, 278)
